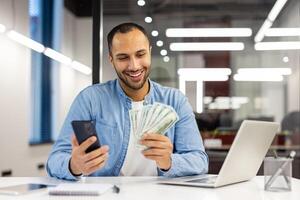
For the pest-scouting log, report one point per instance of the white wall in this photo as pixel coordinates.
(76, 42)
(15, 153)
(15, 87)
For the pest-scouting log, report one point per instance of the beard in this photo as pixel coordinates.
(131, 84)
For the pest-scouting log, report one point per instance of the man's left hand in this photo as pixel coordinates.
(160, 149)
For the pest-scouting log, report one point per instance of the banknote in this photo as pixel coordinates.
(155, 118)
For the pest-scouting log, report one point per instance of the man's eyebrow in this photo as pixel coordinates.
(121, 54)
(141, 51)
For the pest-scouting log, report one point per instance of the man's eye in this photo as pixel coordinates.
(141, 55)
(122, 58)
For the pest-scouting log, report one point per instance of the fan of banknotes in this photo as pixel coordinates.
(155, 118)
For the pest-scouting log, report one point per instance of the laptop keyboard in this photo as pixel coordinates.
(204, 180)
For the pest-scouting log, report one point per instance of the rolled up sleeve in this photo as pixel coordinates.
(60, 155)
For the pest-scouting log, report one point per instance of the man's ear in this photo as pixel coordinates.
(110, 58)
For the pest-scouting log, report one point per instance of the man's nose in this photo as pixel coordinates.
(134, 64)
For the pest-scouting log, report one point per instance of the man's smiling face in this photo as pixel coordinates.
(131, 58)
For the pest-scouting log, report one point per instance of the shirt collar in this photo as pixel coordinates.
(147, 98)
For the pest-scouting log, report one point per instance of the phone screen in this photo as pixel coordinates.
(84, 130)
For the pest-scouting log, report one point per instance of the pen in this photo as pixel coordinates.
(280, 169)
(276, 156)
(116, 189)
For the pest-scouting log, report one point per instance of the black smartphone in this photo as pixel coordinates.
(83, 130)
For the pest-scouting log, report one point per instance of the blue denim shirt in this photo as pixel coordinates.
(108, 106)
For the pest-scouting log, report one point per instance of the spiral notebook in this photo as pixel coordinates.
(81, 189)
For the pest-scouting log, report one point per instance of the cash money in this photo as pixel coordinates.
(156, 118)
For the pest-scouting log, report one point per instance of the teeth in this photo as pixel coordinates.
(135, 74)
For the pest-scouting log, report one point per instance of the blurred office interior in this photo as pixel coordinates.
(234, 60)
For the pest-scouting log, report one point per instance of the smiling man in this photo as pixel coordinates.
(179, 152)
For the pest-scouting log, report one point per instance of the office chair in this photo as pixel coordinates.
(291, 122)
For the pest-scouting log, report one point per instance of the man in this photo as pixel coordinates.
(179, 153)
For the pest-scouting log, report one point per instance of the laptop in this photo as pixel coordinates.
(243, 160)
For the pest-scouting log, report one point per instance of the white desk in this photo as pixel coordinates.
(146, 188)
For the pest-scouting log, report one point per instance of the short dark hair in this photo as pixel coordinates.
(124, 28)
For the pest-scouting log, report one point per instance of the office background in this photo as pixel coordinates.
(36, 90)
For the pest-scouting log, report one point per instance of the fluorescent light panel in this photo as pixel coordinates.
(270, 19)
(204, 74)
(266, 71)
(57, 56)
(261, 46)
(2, 28)
(208, 32)
(258, 77)
(201, 71)
(261, 33)
(281, 32)
(26, 41)
(206, 77)
(47, 51)
(81, 67)
(276, 9)
(207, 46)
(230, 102)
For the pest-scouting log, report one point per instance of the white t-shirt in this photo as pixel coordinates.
(135, 163)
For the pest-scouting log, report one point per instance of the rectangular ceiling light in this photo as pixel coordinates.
(57, 56)
(81, 67)
(261, 32)
(258, 77)
(208, 32)
(279, 4)
(200, 71)
(207, 46)
(266, 71)
(2, 28)
(261, 46)
(276, 9)
(26, 41)
(205, 77)
(204, 74)
(281, 32)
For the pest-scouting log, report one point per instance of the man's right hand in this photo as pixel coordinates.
(82, 163)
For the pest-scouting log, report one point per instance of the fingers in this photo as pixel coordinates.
(154, 140)
(155, 136)
(95, 164)
(87, 163)
(88, 142)
(95, 168)
(74, 141)
(156, 144)
(97, 161)
(160, 149)
(96, 153)
(90, 166)
(155, 158)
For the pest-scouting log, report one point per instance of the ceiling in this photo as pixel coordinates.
(185, 9)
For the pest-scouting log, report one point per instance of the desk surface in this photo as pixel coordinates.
(146, 188)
